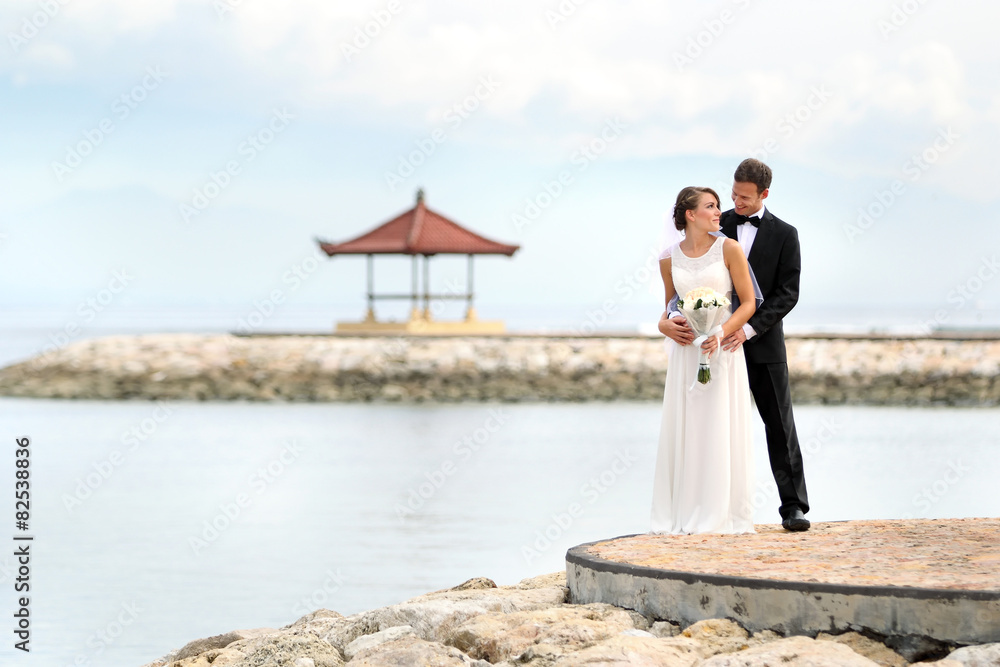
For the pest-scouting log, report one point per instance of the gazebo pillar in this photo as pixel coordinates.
(414, 298)
(427, 288)
(370, 315)
(470, 311)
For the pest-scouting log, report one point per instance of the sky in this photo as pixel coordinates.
(181, 154)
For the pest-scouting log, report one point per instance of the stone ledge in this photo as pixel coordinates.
(935, 581)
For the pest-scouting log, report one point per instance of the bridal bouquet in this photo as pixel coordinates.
(704, 309)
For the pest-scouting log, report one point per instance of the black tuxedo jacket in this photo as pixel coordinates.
(774, 258)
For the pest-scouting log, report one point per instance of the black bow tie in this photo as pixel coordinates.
(752, 219)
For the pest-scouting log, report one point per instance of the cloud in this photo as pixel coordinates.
(719, 79)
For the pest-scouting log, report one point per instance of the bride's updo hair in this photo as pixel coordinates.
(687, 200)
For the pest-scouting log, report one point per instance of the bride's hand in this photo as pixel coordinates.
(676, 329)
(710, 345)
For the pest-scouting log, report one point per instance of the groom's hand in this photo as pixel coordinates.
(733, 341)
(676, 329)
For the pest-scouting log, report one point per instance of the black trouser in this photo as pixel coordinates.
(771, 393)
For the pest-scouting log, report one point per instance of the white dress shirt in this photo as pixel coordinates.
(745, 234)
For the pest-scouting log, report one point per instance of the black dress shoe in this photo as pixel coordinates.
(795, 521)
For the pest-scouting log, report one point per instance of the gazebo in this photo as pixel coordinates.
(419, 232)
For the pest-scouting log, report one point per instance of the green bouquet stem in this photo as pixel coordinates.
(704, 374)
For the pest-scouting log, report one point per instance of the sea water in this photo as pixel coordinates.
(156, 524)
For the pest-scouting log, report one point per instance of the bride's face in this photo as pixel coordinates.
(706, 215)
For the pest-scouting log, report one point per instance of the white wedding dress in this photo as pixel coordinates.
(704, 476)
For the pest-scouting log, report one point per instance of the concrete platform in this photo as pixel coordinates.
(906, 580)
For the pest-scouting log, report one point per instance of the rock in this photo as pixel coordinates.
(216, 657)
(338, 631)
(664, 629)
(637, 633)
(869, 648)
(717, 635)
(764, 637)
(554, 580)
(317, 614)
(283, 649)
(476, 583)
(626, 650)
(199, 646)
(414, 651)
(392, 392)
(436, 615)
(366, 642)
(985, 655)
(502, 636)
(794, 652)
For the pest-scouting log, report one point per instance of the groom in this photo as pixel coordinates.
(772, 248)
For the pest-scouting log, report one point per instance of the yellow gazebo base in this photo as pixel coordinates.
(423, 326)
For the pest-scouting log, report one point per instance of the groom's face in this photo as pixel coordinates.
(746, 199)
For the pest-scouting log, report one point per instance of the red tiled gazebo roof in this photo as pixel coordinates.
(419, 231)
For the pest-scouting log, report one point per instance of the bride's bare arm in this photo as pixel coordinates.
(736, 262)
(675, 329)
(668, 282)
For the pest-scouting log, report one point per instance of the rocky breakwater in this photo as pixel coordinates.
(478, 624)
(918, 371)
(499, 368)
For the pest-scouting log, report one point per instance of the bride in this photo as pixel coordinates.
(704, 466)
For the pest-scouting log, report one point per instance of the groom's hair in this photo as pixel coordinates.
(753, 171)
(687, 200)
